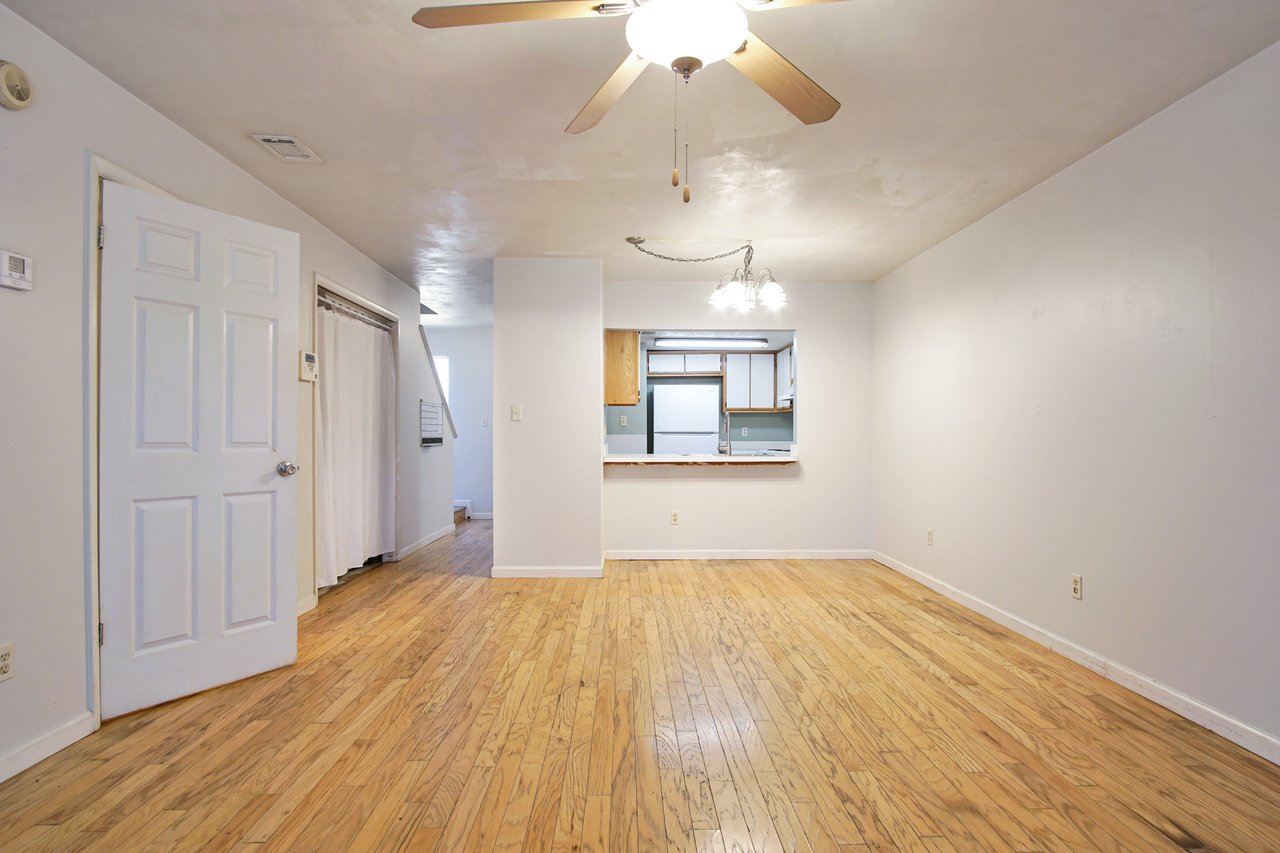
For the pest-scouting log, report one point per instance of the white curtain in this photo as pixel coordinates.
(355, 445)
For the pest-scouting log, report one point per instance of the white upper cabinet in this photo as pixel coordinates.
(702, 362)
(762, 376)
(786, 379)
(678, 362)
(666, 362)
(737, 381)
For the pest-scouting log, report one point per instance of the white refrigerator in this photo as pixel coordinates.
(686, 419)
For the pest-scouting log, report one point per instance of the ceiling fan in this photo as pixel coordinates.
(684, 35)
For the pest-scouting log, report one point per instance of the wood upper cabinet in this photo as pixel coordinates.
(621, 368)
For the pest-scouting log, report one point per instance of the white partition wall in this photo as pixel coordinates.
(547, 365)
(817, 508)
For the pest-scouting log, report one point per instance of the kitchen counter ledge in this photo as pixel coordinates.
(696, 459)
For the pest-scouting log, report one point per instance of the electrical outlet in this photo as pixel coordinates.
(744, 432)
(1077, 587)
(675, 517)
(622, 420)
(6, 661)
(517, 413)
(930, 535)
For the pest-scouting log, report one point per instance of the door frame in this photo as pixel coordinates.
(318, 281)
(97, 170)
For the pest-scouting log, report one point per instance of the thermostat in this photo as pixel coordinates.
(308, 367)
(15, 271)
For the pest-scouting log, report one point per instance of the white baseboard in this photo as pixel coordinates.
(1255, 740)
(741, 555)
(483, 516)
(32, 752)
(422, 543)
(308, 604)
(547, 572)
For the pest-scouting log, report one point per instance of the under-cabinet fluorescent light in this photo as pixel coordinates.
(711, 343)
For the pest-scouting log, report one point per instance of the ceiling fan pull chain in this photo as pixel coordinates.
(675, 129)
(686, 139)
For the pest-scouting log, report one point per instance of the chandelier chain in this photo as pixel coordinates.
(746, 247)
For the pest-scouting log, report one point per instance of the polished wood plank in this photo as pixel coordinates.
(679, 705)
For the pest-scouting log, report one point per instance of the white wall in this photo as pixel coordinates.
(819, 507)
(470, 353)
(547, 358)
(1086, 381)
(43, 198)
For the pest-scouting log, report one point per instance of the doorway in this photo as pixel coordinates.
(355, 447)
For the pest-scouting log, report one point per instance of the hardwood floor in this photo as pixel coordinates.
(725, 706)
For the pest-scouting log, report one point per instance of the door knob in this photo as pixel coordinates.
(286, 469)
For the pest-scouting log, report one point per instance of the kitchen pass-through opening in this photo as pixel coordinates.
(699, 393)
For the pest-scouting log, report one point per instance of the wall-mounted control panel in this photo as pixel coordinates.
(308, 367)
(15, 271)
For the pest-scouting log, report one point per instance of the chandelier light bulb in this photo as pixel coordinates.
(771, 293)
(663, 31)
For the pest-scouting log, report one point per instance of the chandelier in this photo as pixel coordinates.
(742, 289)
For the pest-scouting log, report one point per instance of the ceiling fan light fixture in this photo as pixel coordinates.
(663, 31)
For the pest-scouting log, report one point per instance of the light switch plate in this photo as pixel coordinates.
(15, 271)
(517, 413)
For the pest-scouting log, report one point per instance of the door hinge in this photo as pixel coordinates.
(99, 633)
(102, 236)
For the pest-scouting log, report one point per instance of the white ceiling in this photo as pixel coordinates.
(444, 149)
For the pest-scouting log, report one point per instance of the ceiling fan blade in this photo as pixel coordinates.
(785, 83)
(502, 13)
(608, 94)
(762, 5)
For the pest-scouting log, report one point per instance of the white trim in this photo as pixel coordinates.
(422, 543)
(738, 554)
(547, 572)
(482, 516)
(332, 286)
(1255, 740)
(306, 605)
(41, 747)
(96, 170)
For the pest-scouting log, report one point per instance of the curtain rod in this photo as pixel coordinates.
(337, 303)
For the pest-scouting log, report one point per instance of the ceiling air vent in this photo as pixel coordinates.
(287, 148)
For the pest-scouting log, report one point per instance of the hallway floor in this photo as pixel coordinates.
(725, 706)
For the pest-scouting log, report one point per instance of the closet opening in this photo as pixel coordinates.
(355, 437)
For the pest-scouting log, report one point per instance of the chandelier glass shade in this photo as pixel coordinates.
(744, 291)
(663, 31)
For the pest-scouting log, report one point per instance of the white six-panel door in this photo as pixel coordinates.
(198, 406)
